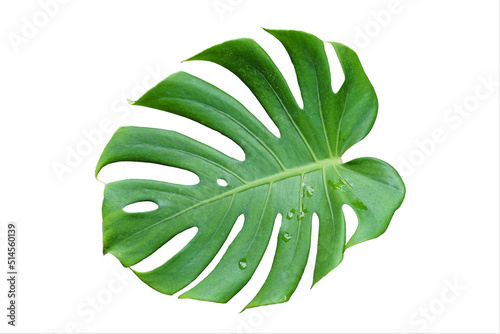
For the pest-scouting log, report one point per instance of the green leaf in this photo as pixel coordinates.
(296, 175)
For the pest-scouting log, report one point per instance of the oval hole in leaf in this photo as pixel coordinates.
(147, 171)
(222, 182)
(165, 252)
(351, 221)
(143, 206)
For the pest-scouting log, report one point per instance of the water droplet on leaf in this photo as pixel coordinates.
(290, 214)
(286, 236)
(243, 264)
(340, 185)
(307, 191)
(360, 205)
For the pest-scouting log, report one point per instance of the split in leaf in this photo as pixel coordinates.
(296, 175)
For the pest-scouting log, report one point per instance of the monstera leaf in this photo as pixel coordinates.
(296, 175)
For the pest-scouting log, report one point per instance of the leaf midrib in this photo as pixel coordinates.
(287, 173)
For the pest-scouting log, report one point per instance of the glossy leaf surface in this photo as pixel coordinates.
(295, 175)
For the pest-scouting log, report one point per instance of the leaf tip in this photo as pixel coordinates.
(249, 306)
(131, 102)
(195, 57)
(315, 281)
(184, 296)
(271, 31)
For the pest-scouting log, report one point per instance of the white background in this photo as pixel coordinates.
(436, 269)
